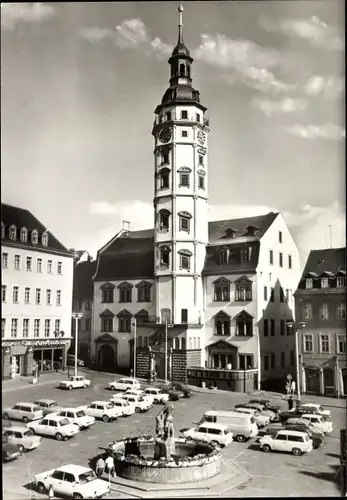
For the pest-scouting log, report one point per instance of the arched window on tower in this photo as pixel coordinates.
(182, 69)
(164, 178)
(165, 256)
(164, 219)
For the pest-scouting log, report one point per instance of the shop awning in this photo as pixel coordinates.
(18, 350)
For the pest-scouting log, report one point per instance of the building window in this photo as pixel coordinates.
(280, 236)
(272, 327)
(324, 344)
(184, 315)
(58, 297)
(184, 180)
(3, 327)
(273, 364)
(107, 296)
(222, 290)
(272, 295)
(59, 267)
(144, 292)
(164, 220)
(4, 260)
(27, 295)
(308, 342)
(244, 255)
(39, 265)
(266, 362)
(271, 256)
(13, 233)
(184, 114)
(244, 290)
(124, 325)
(107, 324)
(47, 327)
(125, 292)
(341, 311)
(38, 296)
(341, 344)
(44, 239)
(281, 295)
(49, 297)
(244, 325)
(164, 178)
(165, 256)
(201, 160)
(49, 266)
(282, 323)
(265, 292)
(307, 311)
(197, 117)
(169, 116)
(184, 223)
(292, 358)
(222, 324)
(185, 256)
(245, 361)
(36, 327)
(223, 256)
(25, 328)
(34, 237)
(15, 294)
(201, 182)
(323, 311)
(289, 261)
(3, 293)
(309, 283)
(23, 235)
(57, 325)
(324, 282)
(14, 328)
(184, 133)
(17, 262)
(283, 359)
(281, 259)
(340, 282)
(266, 327)
(29, 263)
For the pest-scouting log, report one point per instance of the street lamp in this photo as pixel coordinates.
(298, 328)
(77, 316)
(5, 352)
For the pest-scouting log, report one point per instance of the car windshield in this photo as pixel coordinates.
(81, 413)
(28, 433)
(326, 418)
(87, 477)
(53, 404)
(63, 421)
(109, 406)
(320, 408)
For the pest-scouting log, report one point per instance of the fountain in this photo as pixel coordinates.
(165, 459)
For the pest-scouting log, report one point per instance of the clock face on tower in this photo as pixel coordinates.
(165, 135)
(201, 137)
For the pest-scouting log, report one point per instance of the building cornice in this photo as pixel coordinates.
(33, 248)
(123, 278)
(253, 272)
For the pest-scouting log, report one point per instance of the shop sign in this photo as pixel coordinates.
(43, 343)
(8, 344)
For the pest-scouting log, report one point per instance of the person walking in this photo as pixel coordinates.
(100, 467)
(109, 462)
(293, 387)
(290, 403)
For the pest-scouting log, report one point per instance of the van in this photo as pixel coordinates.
(242, 425)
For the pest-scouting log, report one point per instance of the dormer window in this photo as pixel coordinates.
(324, 282)
(184, 221)
(24, 235)
(34, 237)
(165, 256)
(230, 233)
(223, 256)
(13, 232)
(251, 230)
(44, 239)
(340, 282)
(245, 254)
(164, 178)
(309, 283)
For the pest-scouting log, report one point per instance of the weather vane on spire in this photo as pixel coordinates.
(180, 23)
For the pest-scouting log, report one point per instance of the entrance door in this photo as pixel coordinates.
(312, 380)
(329, 385)
(160, 365)
(107, 358)
(15, 366)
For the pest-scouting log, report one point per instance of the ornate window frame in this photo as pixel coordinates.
(12, 232)
(222, 290)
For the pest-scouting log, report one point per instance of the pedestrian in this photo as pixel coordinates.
(229, 366)
(292, 387)
(288, 388)
(100, 467)
(109, 462)
(290, 403)
(154, 376)
(131, 372)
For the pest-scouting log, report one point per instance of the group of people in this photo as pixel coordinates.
(105, 465)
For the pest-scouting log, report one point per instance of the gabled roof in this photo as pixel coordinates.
(21, 217)
(329, 260)
(83, 280)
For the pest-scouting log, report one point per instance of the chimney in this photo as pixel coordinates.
(126, 227)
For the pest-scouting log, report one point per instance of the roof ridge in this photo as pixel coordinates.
(244, 218)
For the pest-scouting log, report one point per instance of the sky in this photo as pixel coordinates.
(80, 83)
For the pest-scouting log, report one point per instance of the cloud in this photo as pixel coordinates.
(130, 34)
(330, 87)
(313, 30)
(13, 13)
(328, 131)
(286, 105)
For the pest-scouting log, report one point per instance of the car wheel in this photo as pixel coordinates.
(25, 420)
(266, 448)
(214, 443)
(77, 496)
(6, 417)
(21, 448)
(240, 439)
(315, 445)
(297, 452)
(70, 387)
(106, 418)
(112, 388)
(41, 488)
(58, 436)
(85, 386)
(138, 409)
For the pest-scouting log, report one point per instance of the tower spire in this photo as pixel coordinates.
(180, 23)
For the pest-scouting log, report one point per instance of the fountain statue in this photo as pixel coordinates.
(165, 441)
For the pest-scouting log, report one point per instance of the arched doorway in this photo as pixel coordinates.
(312, 380)
(107, 358)
(329, 383)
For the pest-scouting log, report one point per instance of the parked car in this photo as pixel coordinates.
(22, 437)
(9, 450)
(54, 426)
(77, 416)
(73, 481)
(103, 410)
(297, 412)
(71, 360)
(319, 408)
(260, 419)
(320, 421)
(47, 406)
(287, 441)
(158, 395)
(75, 382)
(260, 408)
(273, 429)
(123, 406)
(242, 425)
(124, 383)
(314, 429)
(140, 404)
(23, 411)
(217, 434)
(267, 403)
(183, 390)
(139, 392)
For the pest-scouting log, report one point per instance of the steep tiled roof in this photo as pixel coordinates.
(20, 218)
(330, 260)
(83, 280)
(235, 230)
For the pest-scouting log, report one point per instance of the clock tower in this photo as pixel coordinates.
(180, 131)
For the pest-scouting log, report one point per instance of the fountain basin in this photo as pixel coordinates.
(193, 461)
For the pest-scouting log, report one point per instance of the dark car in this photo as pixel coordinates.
(9, 450)
(267, 403)
(295, 413)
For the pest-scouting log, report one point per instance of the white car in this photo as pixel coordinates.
(140, 404)
(103, 410)
(77, 416)
(22, 437)
(124, 383)
(75, 382)
(217, 434)
(23, 411)
(260, 419)
(123, 405)
(320, 409)
(72, 481)
(138, 392)
(295, 442)
(262, 409)
(313, 428)
(318, 421)
(53, 425)
(158, 395)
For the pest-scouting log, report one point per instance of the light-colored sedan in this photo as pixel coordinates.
(123, 405)
(72, 481)
(47, 406)
(75, 382)
(319, 421)
(124, 383)
(320, 409)
(157, 394)
(260, 419)
(140, 404)
(295, 442)
(103, 410)
(217, 434)
(23, 411)
(77, 416)
(54, 426)
(262, 409)
(139, 393)
(22, 437)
